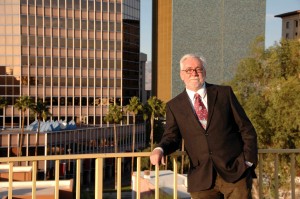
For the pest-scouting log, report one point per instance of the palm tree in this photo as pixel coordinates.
(41, 110)
(114, 115)
(134, 107)
(3, 104)
(156, 108)
(22, 104)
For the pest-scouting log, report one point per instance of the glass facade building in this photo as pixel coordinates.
(77, 55)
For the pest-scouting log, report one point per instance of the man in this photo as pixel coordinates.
(219, 138)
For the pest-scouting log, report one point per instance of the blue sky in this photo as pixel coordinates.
(273, 24)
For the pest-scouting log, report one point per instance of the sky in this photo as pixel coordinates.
(273, 24)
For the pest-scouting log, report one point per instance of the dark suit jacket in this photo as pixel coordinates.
(228, 141)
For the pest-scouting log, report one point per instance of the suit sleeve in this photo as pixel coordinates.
(246, 129)
(171, 138)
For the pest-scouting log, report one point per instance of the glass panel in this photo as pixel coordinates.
(70, 81)
(39, 81)
(31, 21)
(83, 82)
(47, 61)
(62, 81)
(77, 82)
(40, 41)
(55, 81)
(47, 81)
(55, 62)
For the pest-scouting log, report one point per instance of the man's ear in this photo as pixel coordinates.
(181, 76)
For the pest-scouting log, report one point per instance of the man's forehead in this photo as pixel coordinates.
(192, 62)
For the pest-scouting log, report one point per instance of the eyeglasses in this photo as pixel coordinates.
(190, 70)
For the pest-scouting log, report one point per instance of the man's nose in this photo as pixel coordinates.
(194, 72)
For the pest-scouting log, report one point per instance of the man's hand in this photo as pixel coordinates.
(157, 157)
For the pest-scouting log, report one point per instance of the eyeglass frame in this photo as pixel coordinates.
(200, 70)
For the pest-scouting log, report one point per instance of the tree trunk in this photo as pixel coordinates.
(37, 137)
(22, 133)
(133, 143)
(152, 130)
(116, 151)
(151, 137)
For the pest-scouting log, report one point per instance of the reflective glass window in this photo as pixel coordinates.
(54, 101)
(47, 81)
(39, 81)
(62, 81)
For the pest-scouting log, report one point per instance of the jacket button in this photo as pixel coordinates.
(206, 134)
(210, 152)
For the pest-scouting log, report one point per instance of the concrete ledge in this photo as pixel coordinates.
(5, 168)
(44, 189)
(20, 173)
(166, 179)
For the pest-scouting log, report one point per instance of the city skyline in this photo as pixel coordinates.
(77, 56)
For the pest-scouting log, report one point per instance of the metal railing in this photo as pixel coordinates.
(99, 172)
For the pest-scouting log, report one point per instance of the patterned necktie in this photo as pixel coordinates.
(201, 110)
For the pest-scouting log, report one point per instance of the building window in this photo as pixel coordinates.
(287, 35)
(296, 23)
(62, 101)
(287, 25)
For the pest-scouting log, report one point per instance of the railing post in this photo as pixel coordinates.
(10, 179)
(78, 170)
(56, 196)
(260, 182)
(34, 170)
(157, 181)
(276, 176)
(293, 175)
(137, 177)
(119, 178)
(175, 166)
(99, 178)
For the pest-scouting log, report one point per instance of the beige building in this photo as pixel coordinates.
(219, 30)
(77, 55)
(290, 25)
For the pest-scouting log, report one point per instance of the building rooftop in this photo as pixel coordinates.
(288, 14)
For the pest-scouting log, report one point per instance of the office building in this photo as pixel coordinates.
(290, 25)
(79, 56)
(219, 30)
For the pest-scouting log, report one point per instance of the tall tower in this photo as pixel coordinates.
(219, 30)
(77, 55)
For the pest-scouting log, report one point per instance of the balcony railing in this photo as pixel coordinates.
(272, 183)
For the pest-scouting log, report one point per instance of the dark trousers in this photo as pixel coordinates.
(226, 190)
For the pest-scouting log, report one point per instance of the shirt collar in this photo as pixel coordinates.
(201, 92)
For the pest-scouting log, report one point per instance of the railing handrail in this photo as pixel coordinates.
(99, 157)
(118, 155)
(279, 150)
(76, 156)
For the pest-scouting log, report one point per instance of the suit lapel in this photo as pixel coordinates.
(186, 106)
(211, 100)
(187, 109)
